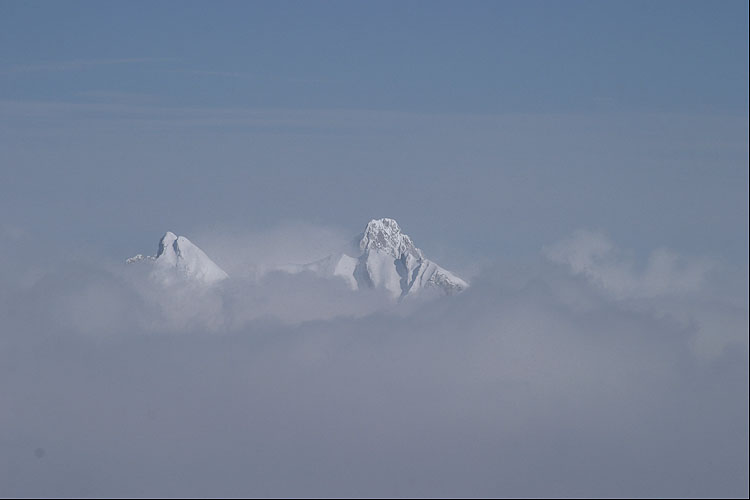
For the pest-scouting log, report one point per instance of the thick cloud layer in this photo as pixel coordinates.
(580, 373)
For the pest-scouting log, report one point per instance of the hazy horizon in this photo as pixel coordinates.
(582, 165)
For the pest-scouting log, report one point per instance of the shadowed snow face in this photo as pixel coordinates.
(385, 235)
(384, 258)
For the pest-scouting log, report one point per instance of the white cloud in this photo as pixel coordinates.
(548, 384)
(592, 255)
(681, 289)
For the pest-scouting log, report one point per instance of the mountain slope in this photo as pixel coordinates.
(179, 258)
(383, 257)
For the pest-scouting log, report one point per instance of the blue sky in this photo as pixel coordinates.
(484, 57)
(542, 117)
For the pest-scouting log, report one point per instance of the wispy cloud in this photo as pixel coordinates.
(290, 385)
(227, 74)
(252, 76)
(112, 108)
(79, 64)
(118, 97)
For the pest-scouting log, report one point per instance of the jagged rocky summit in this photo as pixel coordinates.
(383, 257)
(178, 258)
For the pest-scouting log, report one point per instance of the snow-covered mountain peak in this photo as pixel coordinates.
(385, 235)
(167, 248)
(166, 242)
(177, 256)
(383, 257)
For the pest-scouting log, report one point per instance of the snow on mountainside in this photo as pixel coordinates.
(384, 257)
(381, 257)
(178, 257)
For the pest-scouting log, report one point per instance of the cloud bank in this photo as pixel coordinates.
(583, 373)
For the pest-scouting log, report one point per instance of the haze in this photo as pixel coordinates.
(583, 165)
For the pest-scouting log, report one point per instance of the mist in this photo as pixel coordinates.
(551, 377)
